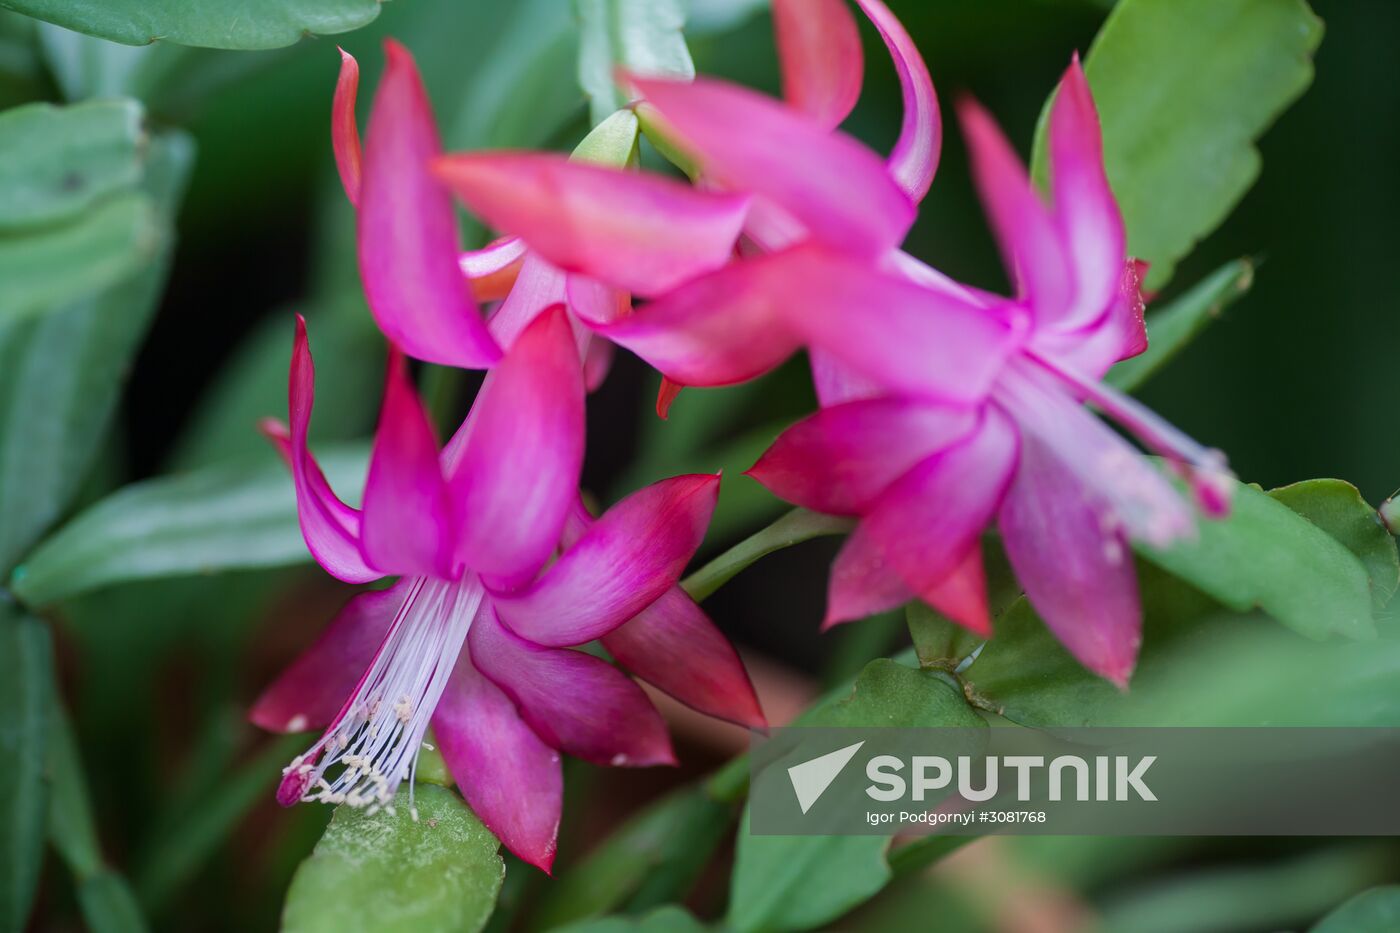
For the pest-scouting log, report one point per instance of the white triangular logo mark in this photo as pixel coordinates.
(811, 778)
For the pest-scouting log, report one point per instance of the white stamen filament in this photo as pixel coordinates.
(375, 740)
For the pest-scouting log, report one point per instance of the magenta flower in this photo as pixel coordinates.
(474, 637)
(643, 234)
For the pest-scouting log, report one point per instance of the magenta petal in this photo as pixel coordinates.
(822, 61)
(718, 329)
(1076, 569)
(623, 563)
(597, 361)
(595, 303)
(642, 233)
(842, 458)
(521, 454)
(1119, 334)
(1030, 242)
(836, 383)
(900, 334)
(915, 157)
(674, 646)
(1084, 204)
(407, 231)
(407, 527)
(575, 702)
(310, 693)
(331, 528)
(837, 188)
(511, 779)
(925, 522)
(863, 582)
(345, 135)
(539, 285)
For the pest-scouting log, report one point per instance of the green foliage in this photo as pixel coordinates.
(1337, 508)
(390, 872)
(1373, 911)
(662, 920)
(642, 36)
(252, 24)
(26, 691)
(1179, 123)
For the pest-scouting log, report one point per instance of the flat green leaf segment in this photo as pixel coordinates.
(221, 518)
(1373, 911)
(799, 882)
(215, 24)
(1184, 87)
(387, 872)
(642, 36)
(26, 688)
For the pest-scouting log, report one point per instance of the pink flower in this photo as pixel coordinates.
(475, 636)
(642, 234)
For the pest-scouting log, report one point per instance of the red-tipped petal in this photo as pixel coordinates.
(408, 241)
(631, 555)
(511, 779)
(345, 134)
(822, 61)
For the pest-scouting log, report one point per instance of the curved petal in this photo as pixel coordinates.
(864, 583)
(674, 646)
(642, 233)
(890, 330)
(914, 159)
(1030, 241)
(623, 563)
(718, 329)
(1118, 335)
(407, 231)
(1076, 568)
(491, 270)
(836, 383)
(521, 456)
(309, 693)
(407, 526)
(345, 135)
(1085, 208)
(597, 361)
(331, 528)
(539, 285)
(842, 458)
(595, 303)
(839, 190)
(926, 522)
(511, 779)
(575, 702)
(822, 61)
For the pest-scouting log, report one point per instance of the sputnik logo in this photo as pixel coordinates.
(811, 778)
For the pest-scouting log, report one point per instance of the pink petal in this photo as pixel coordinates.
(1118, 335)
(523, 449)
(674, 646)
(539, 285)
(345, 135)
(962, 595)
(407, 526)
(624, 562)
(596, 303)
(1088, 215)
(642, 233)
(310, 693)
(863, 582)
(597, 361)
(407, 232)
(511, 779)
(718, 329)
(331, 528)
(833, 185)
(491, 270)
(915, 156)
(1030, 241)
(899, 334)
(575, 702)
(842, 458)
(821, 57)
(836, 383)
(1076, 569)
(926, 522)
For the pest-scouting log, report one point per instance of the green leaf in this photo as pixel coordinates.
(57, 162)
(643, 36)
(1264, 555)
(1179, 122)
(799, 882)
(793, 528)
(254, 24)
(1337, 508)
(1170, 329)
(215, 519)
(26, 688)
(941, 643)
(669, 919)
(1373, 911)
(108, 905)
(61, 375)
(45, 269)
(388, 872)
(612, 142)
